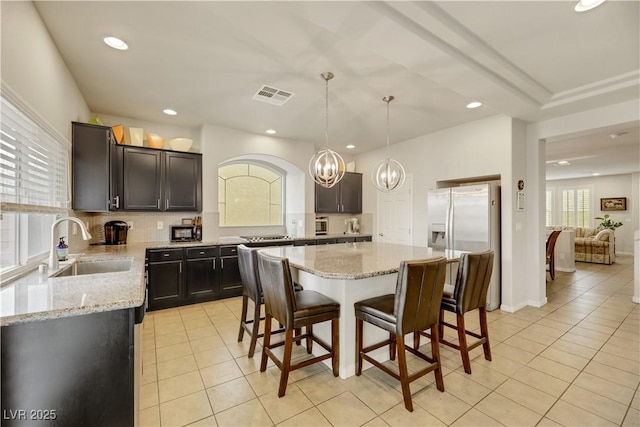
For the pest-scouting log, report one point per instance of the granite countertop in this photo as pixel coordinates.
(37, 296)
(353, 261)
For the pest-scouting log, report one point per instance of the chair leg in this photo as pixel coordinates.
(309, 339)
(286, 362)
(552, 269)
(416, 340)
(335, 346)
(266, 342)
(255, 330)
(484, 331)
(392, 346)
(243, 317)
(404, 374)
(359, 327)
(462, 338)
(441, 324)
(435, 353)
(298, 332)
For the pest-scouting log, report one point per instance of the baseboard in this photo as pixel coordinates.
(565, 270)
(514, 308)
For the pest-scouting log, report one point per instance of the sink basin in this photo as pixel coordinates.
(95, 267)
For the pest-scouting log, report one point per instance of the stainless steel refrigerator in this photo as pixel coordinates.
(467, 218)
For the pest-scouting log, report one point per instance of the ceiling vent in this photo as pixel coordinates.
(272, 95)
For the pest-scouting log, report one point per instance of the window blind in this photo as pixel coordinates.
(33, 164)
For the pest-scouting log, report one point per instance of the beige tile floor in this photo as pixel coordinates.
(573, 362)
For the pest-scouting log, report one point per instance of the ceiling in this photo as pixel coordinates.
(530, 60)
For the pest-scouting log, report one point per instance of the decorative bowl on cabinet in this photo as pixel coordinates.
(118, 132)
(181, 144)
(155, 141)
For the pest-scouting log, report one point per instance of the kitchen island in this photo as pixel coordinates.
(348, 273)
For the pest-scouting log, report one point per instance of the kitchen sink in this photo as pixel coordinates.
(95, 267)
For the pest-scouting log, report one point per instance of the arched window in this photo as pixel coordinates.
(249, 194)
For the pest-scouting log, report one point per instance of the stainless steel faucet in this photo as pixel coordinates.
(53, 255)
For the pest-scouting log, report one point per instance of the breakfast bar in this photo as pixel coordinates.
(348, 273)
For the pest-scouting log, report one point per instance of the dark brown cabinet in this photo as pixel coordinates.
(142, 169)
(96, 183)
(202, 275)
(165, 274)
(345, 197)
(111, 177)
(230, 282)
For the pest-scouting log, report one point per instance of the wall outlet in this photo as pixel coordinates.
(131, 225)
(74, 228)
(160, 225)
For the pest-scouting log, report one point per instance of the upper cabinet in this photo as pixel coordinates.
(94, 156)
(121, 177)
(345, 197)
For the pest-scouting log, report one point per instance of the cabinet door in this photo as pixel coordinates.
(91, 166)
(165, 284)
(201, 281)
(327, 199)
(142, 179)
(351, 193)
(182, 181)
(230, 282)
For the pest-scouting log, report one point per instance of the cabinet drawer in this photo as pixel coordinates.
(228, 250)
(165, 255)
(204, 252)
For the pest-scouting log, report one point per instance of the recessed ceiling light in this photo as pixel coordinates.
(116, 43)
(584, 5)
(563, 163)
(474, 104)
(170, 112)
(351, 146)
(616, 135)
(270, 131)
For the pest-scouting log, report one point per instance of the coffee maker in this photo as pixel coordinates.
(353, 226)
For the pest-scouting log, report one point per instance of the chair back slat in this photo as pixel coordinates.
(277, 288)
(419, 294)
(248, 263)
(551, 242)
(472, 281)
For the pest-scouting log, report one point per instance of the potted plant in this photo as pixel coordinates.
(606, 222)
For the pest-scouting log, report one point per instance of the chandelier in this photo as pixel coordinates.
(326, 167)
(388, 175)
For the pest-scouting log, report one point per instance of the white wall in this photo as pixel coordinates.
(625, 113)
(34, 72)
(605, 187)
(491, 146)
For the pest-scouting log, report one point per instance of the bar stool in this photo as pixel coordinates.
(294, 310)
(469, 293)
(414, 307)
(251, 290)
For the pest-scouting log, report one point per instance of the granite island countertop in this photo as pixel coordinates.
(354, 261)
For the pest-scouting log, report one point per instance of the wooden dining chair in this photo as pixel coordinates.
(551, 247)
(469, 294)
(415, 306)
(294, 310)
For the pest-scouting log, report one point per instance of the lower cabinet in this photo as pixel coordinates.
(230, 282)
(202, 275)
(165, 276)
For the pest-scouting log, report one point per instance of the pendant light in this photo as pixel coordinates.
(326, 167)
(388, 175)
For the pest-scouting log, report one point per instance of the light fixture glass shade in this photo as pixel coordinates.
(326, 167)
(388, 175)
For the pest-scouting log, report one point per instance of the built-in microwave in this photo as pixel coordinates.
(322, 226)
(186, 233)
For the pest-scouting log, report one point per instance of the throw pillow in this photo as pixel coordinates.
(603, 235)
